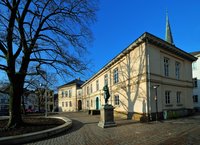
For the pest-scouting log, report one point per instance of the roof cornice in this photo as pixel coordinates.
(169, 47)
(148, 38)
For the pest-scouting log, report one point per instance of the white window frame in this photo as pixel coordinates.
(87, 103)
(91, 103)
(167, 97)
(70, 103)
(91, 89)
(105, 79)
(177, 69)
(66, 93)
(62, 94)
(117, 101)
(178, 97)
(166, 66)
(88, 90)
(70, 93)
(97, 85)
(115, 76)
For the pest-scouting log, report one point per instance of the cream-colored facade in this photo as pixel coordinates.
(70, 96)
(146, 67)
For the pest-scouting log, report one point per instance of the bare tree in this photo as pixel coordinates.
(54, 33)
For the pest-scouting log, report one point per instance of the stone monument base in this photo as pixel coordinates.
(106, 117)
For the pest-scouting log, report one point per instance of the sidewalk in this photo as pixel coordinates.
(128, 132)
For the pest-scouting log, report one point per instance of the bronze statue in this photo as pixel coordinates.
(106, 93)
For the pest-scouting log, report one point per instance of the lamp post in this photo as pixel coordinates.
(156, 100)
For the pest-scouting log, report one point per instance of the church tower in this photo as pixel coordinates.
(168, 33)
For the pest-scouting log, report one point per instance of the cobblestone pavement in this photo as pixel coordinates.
(184, 131)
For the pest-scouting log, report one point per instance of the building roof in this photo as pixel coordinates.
(195, 53)
(76, 82)
(150, 39)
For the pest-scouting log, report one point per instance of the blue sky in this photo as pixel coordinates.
(119, 23)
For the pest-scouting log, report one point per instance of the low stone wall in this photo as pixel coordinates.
(173, 114)
(29, 137)
(166, 114)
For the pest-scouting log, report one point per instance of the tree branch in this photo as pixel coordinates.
(2, 48)
(3, 67)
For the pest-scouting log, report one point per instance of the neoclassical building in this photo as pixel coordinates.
(149, 78)
(196, 80)
(70, 96)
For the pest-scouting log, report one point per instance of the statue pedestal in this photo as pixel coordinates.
(106, 117)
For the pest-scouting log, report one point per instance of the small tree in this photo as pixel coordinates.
(38, 33)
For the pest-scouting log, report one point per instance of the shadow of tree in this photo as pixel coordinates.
(132, 74)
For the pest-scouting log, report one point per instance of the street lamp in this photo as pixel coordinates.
(156, 100)
(45, 98)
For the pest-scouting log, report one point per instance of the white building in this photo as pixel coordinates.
(70, 96)
(4, 100)
(150, 79)
(196, 80)
(30, 101)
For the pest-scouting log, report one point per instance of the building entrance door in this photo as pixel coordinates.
(97, 103)
(79, 105)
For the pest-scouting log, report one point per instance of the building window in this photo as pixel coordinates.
(91, 103)
(178, 97)
(62, 94)
(66, 104)
(62, 104)
(97, 85)
(105, 79)
(116, 99)
(70, 93)
(195, 84)
(87, 103)
(177, 70)
(166, 67)
(195, 98)
(91, 88)
(167, 97)
(87, 90)
(70, 103)
(66, 93)
(194, 65)
(79, 93)
(115, 76)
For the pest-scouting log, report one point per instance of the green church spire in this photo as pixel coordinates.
(168, 33)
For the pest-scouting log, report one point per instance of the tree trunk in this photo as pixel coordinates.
(23, 106)
(16, 91)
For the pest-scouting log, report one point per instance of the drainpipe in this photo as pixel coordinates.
(149, 84)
